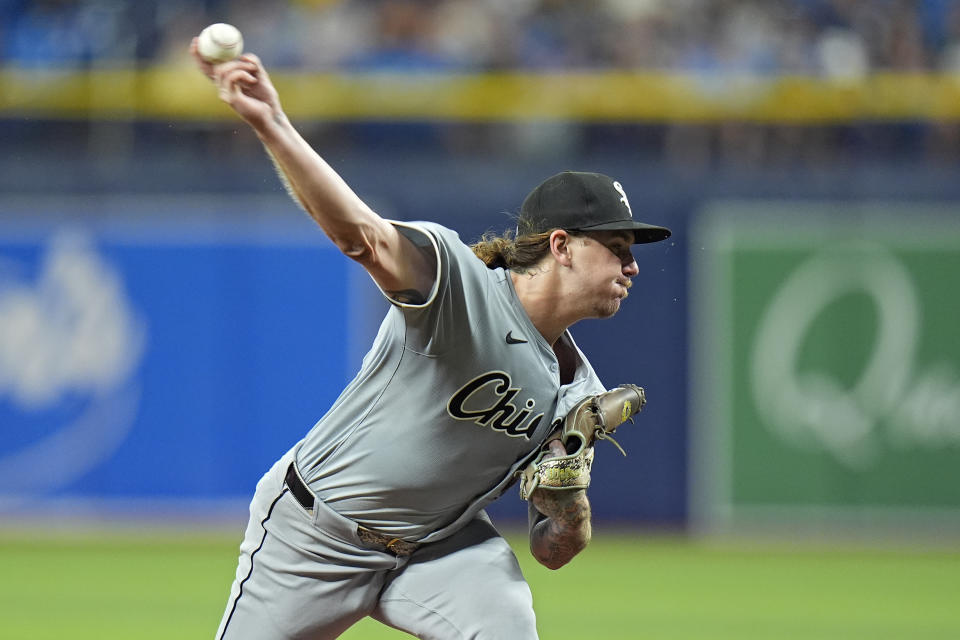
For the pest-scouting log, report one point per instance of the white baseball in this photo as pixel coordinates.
(220, 42)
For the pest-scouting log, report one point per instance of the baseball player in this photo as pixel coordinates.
(472, 383)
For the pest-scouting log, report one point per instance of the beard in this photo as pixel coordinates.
(609, 307)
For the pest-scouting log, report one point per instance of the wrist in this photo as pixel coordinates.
(271, 127)
(566, 505)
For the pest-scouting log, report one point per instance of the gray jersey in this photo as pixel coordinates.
(454, 396)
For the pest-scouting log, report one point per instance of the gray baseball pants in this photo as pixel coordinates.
(307, 575)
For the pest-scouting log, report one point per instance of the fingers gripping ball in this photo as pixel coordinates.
(593, 418)
(220, 42)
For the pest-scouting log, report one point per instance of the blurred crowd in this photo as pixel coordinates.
(845, 39)
(821, 37)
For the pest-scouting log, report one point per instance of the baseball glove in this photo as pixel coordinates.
(593, 418)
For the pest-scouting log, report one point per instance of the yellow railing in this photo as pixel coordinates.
(181, 93)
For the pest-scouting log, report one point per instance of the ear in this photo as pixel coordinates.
(560, 242)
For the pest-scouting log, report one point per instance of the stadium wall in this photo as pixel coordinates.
(198, 320)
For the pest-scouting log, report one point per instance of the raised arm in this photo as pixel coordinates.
(403, 271)
(559, 522)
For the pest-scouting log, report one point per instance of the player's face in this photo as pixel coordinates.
(610, 266)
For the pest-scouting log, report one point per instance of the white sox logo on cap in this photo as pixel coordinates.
(623, 196)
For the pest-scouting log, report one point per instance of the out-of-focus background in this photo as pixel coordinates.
(171, 322)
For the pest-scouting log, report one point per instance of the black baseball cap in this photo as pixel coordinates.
(583, 201)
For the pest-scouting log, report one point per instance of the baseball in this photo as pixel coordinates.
(220, 42)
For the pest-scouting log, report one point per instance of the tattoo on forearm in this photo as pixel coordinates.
(567, 530)
(408, 296)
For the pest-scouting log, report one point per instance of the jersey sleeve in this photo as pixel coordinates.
(424, 241)
(461, 283)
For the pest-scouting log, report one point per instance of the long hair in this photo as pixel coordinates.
(509, 251)
(516, 250)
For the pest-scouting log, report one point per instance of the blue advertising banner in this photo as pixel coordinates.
(175, 363)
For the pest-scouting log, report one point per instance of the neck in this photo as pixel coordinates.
(543, 300)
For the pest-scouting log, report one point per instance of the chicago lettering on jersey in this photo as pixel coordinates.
(501, 414)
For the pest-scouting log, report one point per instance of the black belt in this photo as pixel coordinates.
(373, 539)
(298, 489)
